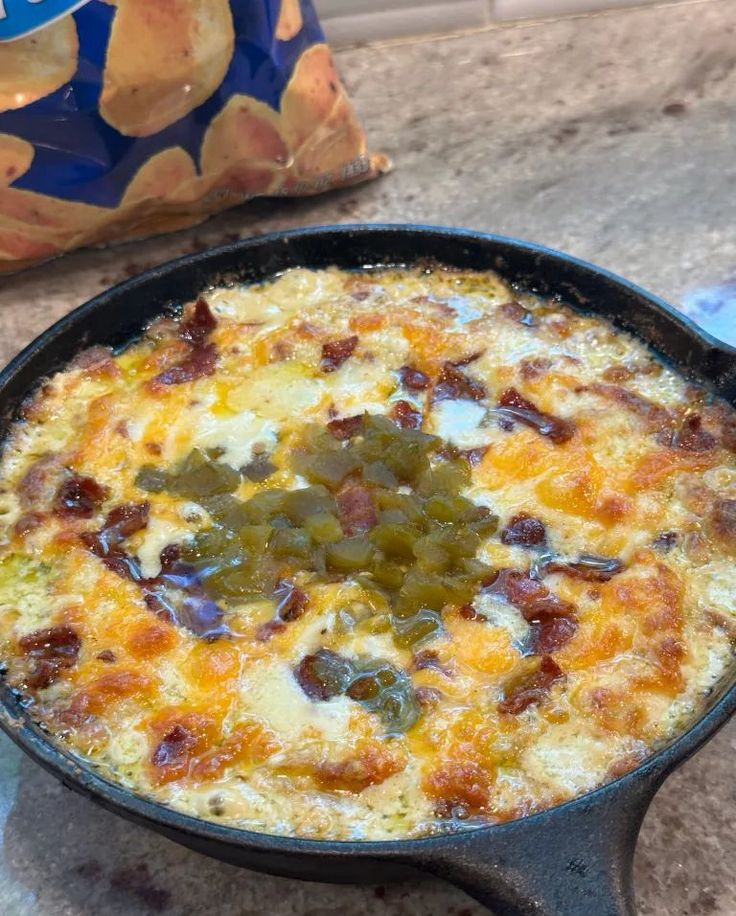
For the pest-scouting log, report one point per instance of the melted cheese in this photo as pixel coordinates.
(650, 643)
(272, 694)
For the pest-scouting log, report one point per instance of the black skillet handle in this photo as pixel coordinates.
(575, 860)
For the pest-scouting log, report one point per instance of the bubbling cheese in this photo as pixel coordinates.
(563, 671)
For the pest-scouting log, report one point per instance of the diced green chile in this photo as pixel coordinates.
(255, 538)
(298, 505)
(152, 479)
(291, 542)
(199, 476)
(332, 467)
(419, 558)
(324, 528)
(396, 540)
(422, 626)
(377, 685)
(350, 554)
(381, 688)
(265, 506)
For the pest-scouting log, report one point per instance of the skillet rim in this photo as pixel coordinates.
(83, 776)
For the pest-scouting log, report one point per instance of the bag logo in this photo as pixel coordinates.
(21, 17)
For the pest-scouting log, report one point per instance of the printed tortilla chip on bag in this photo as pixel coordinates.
(290, 20)
(164, 59)
(158, 199)
(128, 118)
(36, 65)
(16, 156)
(243, 148)
(319, 123)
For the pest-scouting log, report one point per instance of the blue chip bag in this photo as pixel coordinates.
(126, 118)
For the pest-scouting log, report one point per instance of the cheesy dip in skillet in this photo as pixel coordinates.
(368, 555)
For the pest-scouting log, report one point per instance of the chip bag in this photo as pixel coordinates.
(126, 118)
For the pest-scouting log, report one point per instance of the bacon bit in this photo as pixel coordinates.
(122, 522)
(335, 352)
(618, 374)
(461, 789)
(428, 660)
(79, 497)
(199, 363)
(200, 324)
(539, 607)
(665, 541)
(515, 311)
(107, 655)
(125, 520)
(346, 427)
(413, 379)
(453, 385)
(371, 765)
(406, 415)
(533, 689)
(174, 749)
(357, 509)
(309, 679)
(468, 612)
(360, 293)
(27, 523)
(513, 406)
(291, 601)
(723, 522)
(691, 437)
(153, 448)
(50, 650)
(552, 634)
(524, 530)
(534, 368)
(654, 415)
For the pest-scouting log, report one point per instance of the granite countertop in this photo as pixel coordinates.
(611, 137)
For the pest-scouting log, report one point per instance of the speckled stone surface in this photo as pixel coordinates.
(613, 137)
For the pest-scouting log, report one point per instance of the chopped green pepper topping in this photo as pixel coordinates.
(415, 550)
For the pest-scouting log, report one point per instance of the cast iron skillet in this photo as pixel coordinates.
(573, 860)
